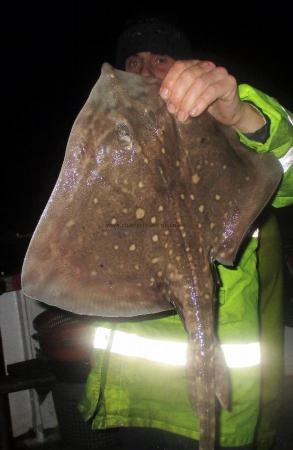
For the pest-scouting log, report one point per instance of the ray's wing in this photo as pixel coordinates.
(90, 251)
(229, 184)
(129, 170)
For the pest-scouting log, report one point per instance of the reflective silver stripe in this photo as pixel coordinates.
(287, 160)
(170, 352)
(290, 118)
(255, 233)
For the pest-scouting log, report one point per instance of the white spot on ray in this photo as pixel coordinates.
(155, 260)
(140, 213)
(161, 171)
(201, 208)
(140, 184)
(195, 178)
(132, 247)
(116, 247)
(70, 223)
(153, 219)
(160, 208)
(155, 238)
(192, 196)
(217, 197)
(125, 210)
(113, 221)
(95, 200)
(163, 150)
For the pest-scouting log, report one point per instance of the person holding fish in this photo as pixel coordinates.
(152, 162)
(146, 397)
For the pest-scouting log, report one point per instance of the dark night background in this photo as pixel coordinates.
(51, 57)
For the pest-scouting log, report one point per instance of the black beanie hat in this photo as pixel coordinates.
(155, 36)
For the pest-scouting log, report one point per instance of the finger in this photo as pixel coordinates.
(206, 82)
(175, 72)
(184, 81)
(218, 91)
(210, 87)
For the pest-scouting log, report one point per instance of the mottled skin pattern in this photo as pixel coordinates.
(142, 208)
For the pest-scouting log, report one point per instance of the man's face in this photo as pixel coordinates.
(149, 64)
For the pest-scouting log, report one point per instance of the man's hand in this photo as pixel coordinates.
(191, 87)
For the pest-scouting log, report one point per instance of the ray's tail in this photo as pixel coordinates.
(206, 370)
(208, 381)
(201, 387)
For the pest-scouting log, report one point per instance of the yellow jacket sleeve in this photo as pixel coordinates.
(279, 141)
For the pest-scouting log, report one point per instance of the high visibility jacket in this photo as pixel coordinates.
(138, 390)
